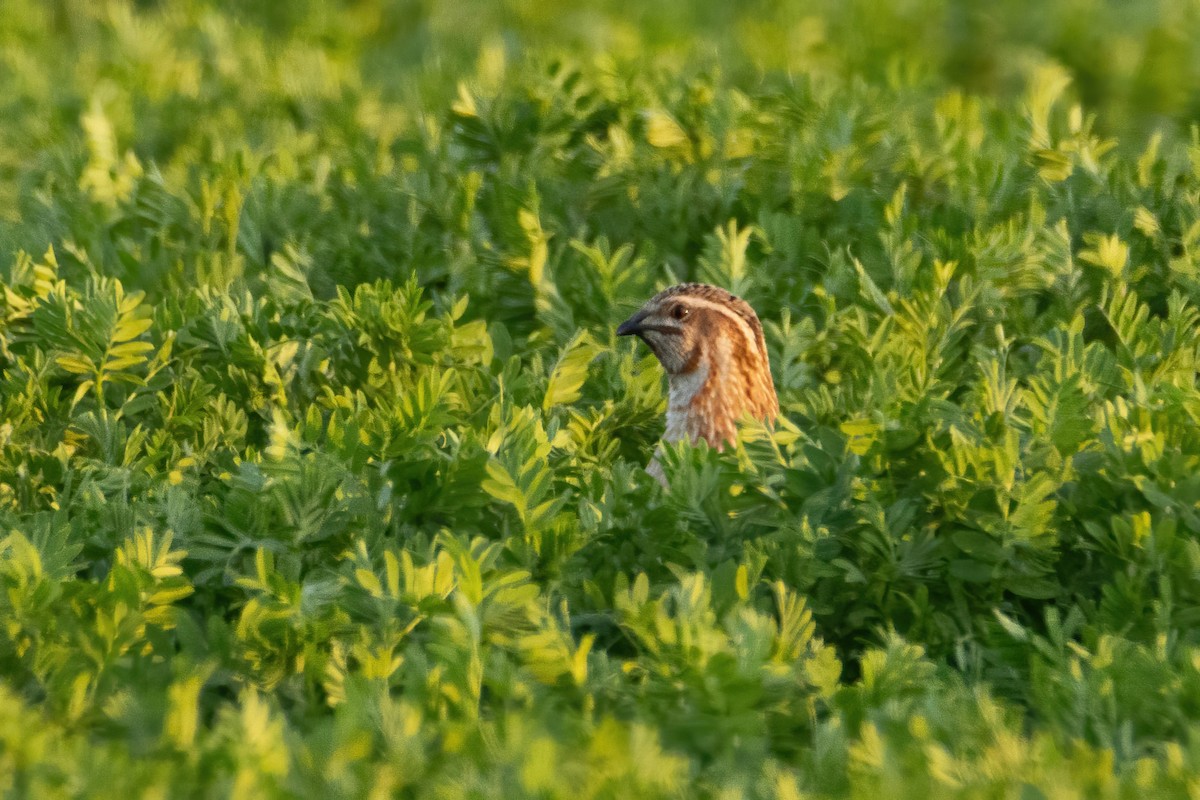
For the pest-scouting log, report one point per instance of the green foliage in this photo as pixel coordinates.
(321, 467)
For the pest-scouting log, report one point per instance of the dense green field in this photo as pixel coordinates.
(321, 466)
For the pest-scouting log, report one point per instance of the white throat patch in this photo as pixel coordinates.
(681, 390)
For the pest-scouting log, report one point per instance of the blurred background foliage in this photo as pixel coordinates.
(321, 468)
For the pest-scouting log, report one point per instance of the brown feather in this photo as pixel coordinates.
(712, 346)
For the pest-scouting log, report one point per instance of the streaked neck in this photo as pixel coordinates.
(681, 391)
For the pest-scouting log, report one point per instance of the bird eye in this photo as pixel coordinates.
(680, 311)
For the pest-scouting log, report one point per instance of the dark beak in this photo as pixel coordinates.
(633, 325)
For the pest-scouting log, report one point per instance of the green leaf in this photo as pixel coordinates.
(972, 571)
(570, 372)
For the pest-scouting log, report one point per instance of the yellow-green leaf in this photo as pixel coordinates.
(131, 328)
(663, 131)
(76, 364)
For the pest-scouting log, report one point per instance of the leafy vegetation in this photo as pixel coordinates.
(321, 467)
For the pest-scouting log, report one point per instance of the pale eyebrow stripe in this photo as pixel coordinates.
(747, 331)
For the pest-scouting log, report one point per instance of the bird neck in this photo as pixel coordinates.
(708, 401)
(697, 407)
(682, 391)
